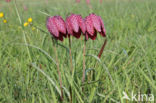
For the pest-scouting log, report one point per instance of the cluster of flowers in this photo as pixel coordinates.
(75, 25)
(29, 21)
(2, 16)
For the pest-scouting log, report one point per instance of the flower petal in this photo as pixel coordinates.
(103, 32)
(68, 26)
(51, 26)
(74, 22)
(93, 37)
(77, 34)
(89, 25)
(60, 24)
(81, 24)
(96, 22)
(60, 37)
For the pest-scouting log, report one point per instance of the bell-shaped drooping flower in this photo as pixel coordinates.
(94, 24)
(77, 1)
(25, 8)
(8, 0)
(88, 2)
(57, 27)
(75, 25)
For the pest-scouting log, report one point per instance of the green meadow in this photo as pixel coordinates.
(28, 65)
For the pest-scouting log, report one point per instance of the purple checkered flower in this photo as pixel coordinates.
(94, 24)
(57, 27)
(75, 25)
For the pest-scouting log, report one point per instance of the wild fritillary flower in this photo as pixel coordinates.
(57, 27)
(94, 24)
(75, 25)
(78, 1)
(88, 2)
(8, 0)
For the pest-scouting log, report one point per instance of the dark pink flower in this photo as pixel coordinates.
(94, 24)
(77, 1)
(57, 27)
(7, 0)
(25, 8)
(100, 1)
(75, 25)
(88, 2)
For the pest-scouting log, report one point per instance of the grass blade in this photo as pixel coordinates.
(50, 79)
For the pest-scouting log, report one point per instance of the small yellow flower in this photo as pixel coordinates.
(26, 24)
(1, 14)
(4, 21)
(29, 20)
(33, 28)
